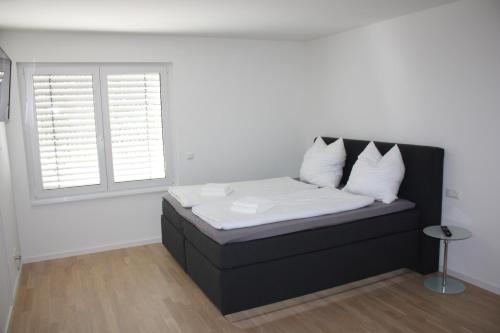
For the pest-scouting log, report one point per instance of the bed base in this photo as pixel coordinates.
(255, 285)
(240, 288)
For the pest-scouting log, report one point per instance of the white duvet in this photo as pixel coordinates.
(291, 206)
(190, 195)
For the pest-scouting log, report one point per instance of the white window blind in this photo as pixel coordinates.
(135, 117)
(65, 118)
(1, 76)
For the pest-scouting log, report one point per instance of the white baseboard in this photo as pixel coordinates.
(475, 281)
(14, 295)
(102, 248)
(9, 316)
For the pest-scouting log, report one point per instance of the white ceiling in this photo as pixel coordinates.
(266, 19)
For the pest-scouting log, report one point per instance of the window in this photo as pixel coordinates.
(65, 117)
(95, 128)
(136, 136)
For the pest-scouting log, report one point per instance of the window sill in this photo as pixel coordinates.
(94, 196)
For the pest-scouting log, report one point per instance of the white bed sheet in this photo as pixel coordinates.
(291, 206)
(190, 195)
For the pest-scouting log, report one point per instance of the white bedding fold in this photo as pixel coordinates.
(190, 195)
(291, 206)
(251, 205)
(216, 190)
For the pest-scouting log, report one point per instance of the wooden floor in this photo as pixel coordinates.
(142, 289)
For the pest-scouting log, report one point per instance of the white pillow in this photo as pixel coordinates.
(376, 176)
(323, 165)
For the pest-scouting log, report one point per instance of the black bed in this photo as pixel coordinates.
(242, 275)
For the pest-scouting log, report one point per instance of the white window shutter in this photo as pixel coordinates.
(65, 118)
(135, 118)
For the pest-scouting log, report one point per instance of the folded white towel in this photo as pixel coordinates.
(216, 190)
(251, 205)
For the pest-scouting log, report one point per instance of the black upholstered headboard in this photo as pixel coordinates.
(422, 184)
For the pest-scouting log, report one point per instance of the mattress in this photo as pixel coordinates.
(175, 213)
(239, 254)
(287, 207)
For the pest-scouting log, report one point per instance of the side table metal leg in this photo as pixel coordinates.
(445, 265)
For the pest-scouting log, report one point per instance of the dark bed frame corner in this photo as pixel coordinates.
(174, 241)
(423, 184)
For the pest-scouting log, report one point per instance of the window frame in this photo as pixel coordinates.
(107, 186)
(133, 69)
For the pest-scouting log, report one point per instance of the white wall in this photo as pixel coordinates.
(9, 241)
(5, 289)
(7, 208)
(236, 104)
(430, 78)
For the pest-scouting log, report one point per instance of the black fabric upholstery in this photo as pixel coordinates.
(423, 181)
(172, 215)
(173, 239)
(239, 276)
(250, 252)
(255, 285)
(422, 184)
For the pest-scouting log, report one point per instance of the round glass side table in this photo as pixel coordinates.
(443, 284)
